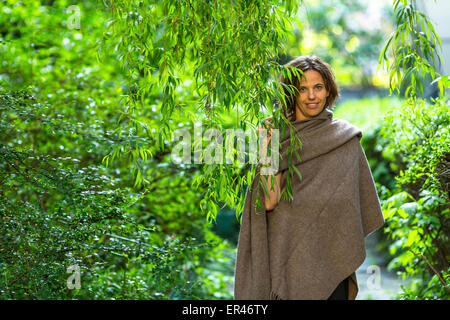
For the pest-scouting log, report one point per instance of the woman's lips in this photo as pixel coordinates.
(312, 105)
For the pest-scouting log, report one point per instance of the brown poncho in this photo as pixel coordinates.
(303, 249)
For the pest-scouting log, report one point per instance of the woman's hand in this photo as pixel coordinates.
(267, 125)
(271, 200)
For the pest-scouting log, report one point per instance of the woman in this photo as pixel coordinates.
(309, 248)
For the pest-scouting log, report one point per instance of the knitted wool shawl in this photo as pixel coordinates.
(302, 249)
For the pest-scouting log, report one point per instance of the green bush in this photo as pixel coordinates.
(56, 213)
(417, 211)
(60, 108)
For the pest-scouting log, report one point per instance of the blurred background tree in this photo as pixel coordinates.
(349, 34)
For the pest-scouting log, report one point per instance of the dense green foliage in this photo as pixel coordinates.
(59, 205)
(418, 146)
(418, 211)
(90, 95)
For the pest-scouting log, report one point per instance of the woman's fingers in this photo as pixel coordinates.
(269, 133)
(267, 125)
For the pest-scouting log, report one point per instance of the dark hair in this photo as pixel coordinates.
(305, 63)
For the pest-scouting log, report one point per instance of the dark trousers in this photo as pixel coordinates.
(341, 291)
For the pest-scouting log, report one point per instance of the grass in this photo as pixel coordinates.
(366, 113)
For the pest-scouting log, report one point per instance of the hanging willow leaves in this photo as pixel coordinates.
(198, 59)
(414, 49)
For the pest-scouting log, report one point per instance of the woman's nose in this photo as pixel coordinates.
(311, 95)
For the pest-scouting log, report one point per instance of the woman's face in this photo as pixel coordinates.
(312, 95)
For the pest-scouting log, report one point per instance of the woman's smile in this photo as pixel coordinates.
(312, 105)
